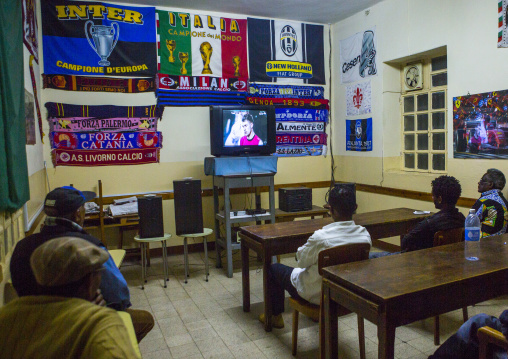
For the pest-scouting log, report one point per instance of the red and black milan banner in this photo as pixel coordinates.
(57, 109)
(105, 140)
(98, 84)
(304, 139)
(85, 158)
(169, 82)
(289, 102)
(30, 28)
(90, 124)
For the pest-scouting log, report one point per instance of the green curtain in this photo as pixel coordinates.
(14, 190)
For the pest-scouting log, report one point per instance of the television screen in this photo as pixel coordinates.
(244, 127)
(242, 130)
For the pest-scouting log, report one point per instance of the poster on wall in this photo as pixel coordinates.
(97, 38)
(201, 45)
(358, 99)
(502, 32)
(359, 135)
(30, 29)
(358, 56)
(480, 125)
(286, 52)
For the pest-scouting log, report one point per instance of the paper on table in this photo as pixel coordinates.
(125, 200)
(128, 208)
(421, 212)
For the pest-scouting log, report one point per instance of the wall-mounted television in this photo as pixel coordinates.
(242, 130)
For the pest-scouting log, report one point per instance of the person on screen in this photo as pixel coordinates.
(236, 132)
(250, 138)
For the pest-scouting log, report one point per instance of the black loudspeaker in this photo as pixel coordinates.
(150, 217)
(188, 208)
(350, 185)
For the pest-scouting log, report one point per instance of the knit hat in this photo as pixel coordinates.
(65, 260)
(66, 200)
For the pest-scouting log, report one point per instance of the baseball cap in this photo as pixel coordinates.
(65, 260)
(65, 200)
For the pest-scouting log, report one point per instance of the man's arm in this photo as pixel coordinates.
(416, 236)
(307, 254)
(114, 287)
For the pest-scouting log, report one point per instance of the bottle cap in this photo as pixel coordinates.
(472, 211)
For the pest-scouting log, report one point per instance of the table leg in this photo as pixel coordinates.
(165, 262)
(185, 259)
(205, 245)
(245, 278)
(331, 324)
(267, 262)
(386, 338)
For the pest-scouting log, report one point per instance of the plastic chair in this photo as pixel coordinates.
(206, 232)
(442, 238)
(486, 336)
(143, 242)
(329, 257)
(118, 256)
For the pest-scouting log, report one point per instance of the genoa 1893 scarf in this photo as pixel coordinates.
(289, 102)
(56, 109)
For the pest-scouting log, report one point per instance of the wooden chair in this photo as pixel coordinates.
(486, 336)
(329, 257)
(440, 239)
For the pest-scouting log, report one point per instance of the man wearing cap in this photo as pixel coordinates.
(64, 207)
(62, 321)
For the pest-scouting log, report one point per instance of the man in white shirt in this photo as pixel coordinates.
(305, 281)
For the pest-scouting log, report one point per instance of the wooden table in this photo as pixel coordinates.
(280, 238)
(400, 289)
(283, 216)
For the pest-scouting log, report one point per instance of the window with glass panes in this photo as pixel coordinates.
(424, 120)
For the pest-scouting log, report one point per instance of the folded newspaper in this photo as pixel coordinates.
(125, 200)
(123, 209)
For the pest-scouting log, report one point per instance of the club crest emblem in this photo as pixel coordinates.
(358, 129)
(288, 40)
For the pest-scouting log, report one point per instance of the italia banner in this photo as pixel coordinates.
(105, 140)
(201, 44)
(359, 135)
(86, 158)
(98, 38)
(286, 52)
(301, 114)
(90, 124)
(502, 24)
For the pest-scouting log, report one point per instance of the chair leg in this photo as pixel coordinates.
(142, 265)
(361, 336)
(206, 258)
(185, 259)
(294, 344)
(165, 262)
(436, 330)
(464, 314)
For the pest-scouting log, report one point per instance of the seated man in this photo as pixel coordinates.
(464, 343)
(63, 320)
(445, 194)
(491, 207)
(305, 281)
(65, 209)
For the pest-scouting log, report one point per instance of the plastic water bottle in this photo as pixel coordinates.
(473, 231)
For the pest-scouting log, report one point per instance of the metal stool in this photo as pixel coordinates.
(142, 243)
(206, 232)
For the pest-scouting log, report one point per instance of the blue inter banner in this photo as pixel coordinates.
(359, 135)
(98, 38)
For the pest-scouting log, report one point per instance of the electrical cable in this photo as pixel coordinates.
(330, 137)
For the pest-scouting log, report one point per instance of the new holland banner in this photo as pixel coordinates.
(57, 109)
(199, 98)
(288, 102)
(206, 83)
(94, 84)
(358, 56)
(98, 38)
(301, 114)
(286, 52)
(95, 158)
(358, 99)
(287, 91)
(502, 24)
(90, 124)
(300, 127)
(306, 139)
(105, 140)
(359, 135)
(200, 44)
(299, 151)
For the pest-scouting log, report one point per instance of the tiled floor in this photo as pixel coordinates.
(205, 319)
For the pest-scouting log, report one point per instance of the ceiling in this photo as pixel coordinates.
(317, 11)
